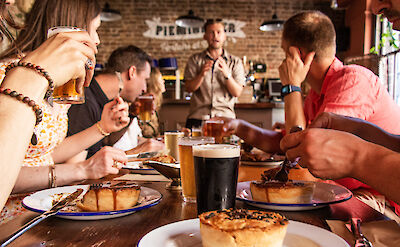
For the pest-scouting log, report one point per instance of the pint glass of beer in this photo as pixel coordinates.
(216, 170)
(146, 107)
(171, 139)
(214, 128)
(66, 94)
(196, 131)
(187, 167)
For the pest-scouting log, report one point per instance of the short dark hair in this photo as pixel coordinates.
(311, 30)
(211, 22)
(123, 58)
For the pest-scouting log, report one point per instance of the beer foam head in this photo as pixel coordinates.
(195, 140)
(216, 151)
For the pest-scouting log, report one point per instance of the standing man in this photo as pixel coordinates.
(133, 66)
(214, 76)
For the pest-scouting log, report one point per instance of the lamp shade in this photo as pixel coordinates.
(108, 14)
(189, 20)
(272, 25)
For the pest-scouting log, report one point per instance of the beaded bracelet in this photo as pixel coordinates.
(48, 96)
(29, 102)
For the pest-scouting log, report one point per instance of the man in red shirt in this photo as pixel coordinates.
(368, 154)
(309, 41)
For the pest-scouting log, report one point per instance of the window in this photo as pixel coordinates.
(387, 48)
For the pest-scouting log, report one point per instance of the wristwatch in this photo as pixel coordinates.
(288, 89)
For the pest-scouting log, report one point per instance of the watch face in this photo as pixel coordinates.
(285, 90)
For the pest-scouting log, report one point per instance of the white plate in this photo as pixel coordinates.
(138, 167)
(187, 234)
(261, 163)
(41, 201)
(324, 194)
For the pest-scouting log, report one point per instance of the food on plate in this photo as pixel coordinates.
(282, 192)
(258, 156)
(273, 191)
(110, 197)
(242, 227)
(164, 159)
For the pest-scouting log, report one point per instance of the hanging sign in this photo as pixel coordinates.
(170, 31)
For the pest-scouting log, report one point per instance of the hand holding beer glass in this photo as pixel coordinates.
(67, 94)
(214, 128)
(187, 166)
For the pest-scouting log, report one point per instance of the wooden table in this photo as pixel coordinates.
(128, 230)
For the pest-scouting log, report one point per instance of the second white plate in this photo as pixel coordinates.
(187, 234)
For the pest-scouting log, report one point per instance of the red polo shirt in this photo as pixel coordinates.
(354, 91)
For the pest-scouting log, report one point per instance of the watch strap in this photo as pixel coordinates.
(288, 89)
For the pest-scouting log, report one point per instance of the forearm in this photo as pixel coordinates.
(16, 125)
(76, 143)
(380, 170)
(294, 113)
(375, 134)
(194, 84)
(234, 88)
(266, 140)
(37, 178)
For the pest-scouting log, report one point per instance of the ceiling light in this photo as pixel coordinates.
(189, 20)
(272, 25)
(108, 14)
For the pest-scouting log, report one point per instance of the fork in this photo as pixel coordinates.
(95, 186)
(282, 174)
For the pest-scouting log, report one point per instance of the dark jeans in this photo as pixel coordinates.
(191, 122)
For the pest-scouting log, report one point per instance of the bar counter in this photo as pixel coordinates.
(173, 113)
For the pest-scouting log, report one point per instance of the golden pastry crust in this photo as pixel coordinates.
(241, 227)
(279, 192)
(109, 198)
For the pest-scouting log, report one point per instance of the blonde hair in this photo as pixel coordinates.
(154, 87)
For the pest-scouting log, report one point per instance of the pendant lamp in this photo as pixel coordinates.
(274, 24)
(108, 14)
(189, 20)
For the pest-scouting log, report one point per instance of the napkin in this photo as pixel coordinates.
(140, 177)
(384, 233)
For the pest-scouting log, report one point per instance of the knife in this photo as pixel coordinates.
(147, 154)
(53, 211)
(361, 240)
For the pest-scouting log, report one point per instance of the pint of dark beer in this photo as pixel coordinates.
(216, 170)
(146, 107)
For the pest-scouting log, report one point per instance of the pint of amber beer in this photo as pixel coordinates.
(66, 94)
(187, 167)
(146, 107)
(214, 128)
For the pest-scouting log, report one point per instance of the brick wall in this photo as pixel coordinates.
(257, 45)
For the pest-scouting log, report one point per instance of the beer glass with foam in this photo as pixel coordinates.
(146, 107)
(216, 170)
(187, 167)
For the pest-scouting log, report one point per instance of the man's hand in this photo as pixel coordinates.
(223, 67)
(149, 145)
(206, 66)
(293, 70)
(326, 153)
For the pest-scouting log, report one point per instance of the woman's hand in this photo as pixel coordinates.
(115, 115)
(107, 160)
(64, 57)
